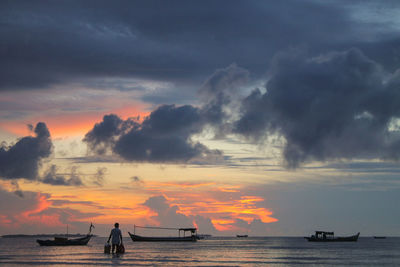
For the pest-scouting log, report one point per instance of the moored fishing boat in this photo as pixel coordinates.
(64, 241)
(322, 236)
(242, 236)
(185, 238)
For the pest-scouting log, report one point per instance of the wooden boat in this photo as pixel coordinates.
(242, 236)
(322, 236)
(64, 241)
(190, 238)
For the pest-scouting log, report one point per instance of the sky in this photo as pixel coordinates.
(267, 118)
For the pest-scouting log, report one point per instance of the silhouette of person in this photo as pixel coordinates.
(116, 237)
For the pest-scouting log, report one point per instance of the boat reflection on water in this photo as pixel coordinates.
(322, 236)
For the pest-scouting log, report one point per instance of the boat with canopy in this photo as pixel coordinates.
(182, 235)
(322, 236)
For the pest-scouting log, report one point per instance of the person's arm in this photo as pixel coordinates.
(108, 241)
(120, 235)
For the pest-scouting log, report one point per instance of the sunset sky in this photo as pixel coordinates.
(271, 118)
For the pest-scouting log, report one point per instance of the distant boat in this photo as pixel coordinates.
(64, 241)
(193, 237)
(322, 236)
(203, 236)
(379, 237)
(242, 236)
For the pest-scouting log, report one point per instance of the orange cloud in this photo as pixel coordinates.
(5, 221)
(109, 204)
(43, 204)
(224, 209)
(214, 201)
(34, 216)
(245, 208)
(222, 227)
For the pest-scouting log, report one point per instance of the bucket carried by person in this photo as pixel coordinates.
(107, 248)
(120, 249)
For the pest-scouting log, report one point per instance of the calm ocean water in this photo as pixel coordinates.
(261, 251)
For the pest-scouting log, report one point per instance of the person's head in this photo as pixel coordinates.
(116, 225)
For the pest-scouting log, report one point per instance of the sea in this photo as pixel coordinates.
(215, 251)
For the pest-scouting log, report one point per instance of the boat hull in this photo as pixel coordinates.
(352, 238)
(65, 242)
(138, 238)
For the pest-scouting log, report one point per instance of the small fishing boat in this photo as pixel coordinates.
(180, 238)
(242, 236)
(64, 241)
(322, 236)
(379, 237)
(203, 236)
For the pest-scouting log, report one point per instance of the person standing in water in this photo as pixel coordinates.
(116, 237)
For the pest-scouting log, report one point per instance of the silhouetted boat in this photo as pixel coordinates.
(242, 236)
(64, 241)
(190, 238)
(379, 237)
(203, 236)
(322, 236)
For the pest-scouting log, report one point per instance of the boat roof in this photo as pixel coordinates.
(192, 229)
(188, 229)
(324, 232)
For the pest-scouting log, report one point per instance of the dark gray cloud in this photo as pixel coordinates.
(50, 43)
(23, 159)
(163, 136)
(220, 90)
(52, 177)
(102, 134)
(336, 105)
(166, 134)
